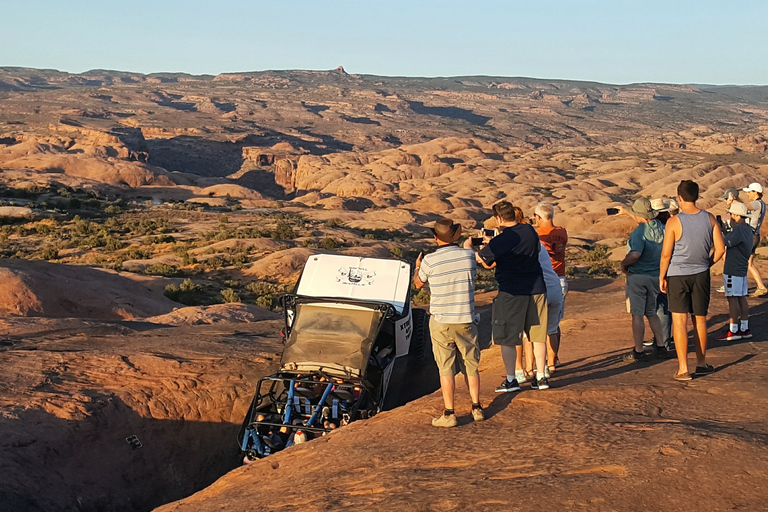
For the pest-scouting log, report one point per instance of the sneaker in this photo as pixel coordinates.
(557, 362)
(746, 334)
(477, 414)
(635, 357)
(547, 373)
(760, 292)
(542, 383)
(662, 352)
(729, 336)
(704, 370)
(650, 342)
(508, 387)
(521, 377)
(721, 289)
(444, 421)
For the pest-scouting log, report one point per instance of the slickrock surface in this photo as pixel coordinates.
(606, 436)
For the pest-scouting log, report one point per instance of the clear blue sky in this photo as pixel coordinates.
(704, 41)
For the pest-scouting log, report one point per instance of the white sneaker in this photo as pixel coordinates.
(721, 289)
(520, 377)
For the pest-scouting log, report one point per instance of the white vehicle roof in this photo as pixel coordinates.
(357, 278)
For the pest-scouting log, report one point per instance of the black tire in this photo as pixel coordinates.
(421, 341)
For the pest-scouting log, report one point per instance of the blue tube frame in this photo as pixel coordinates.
(320, 404)
(289, 404)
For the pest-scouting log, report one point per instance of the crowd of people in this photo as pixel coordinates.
(668, 261)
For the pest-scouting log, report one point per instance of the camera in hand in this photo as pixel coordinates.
(477, 241)
(611, 211)
(489, 233)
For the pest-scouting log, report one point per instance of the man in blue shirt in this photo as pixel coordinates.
(521, 304)
(641, 264)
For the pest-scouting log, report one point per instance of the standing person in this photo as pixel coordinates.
(757, 208)
(521, 304)
(641, 264)
(730, 196)
(450, 272)
(554, 239)
(738, 249)
(689, 239)
(665, 208)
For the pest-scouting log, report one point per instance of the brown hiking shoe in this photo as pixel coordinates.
(477, 415)
(444, 421)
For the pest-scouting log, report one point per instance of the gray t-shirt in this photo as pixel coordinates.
(757, 215)
(738, 248)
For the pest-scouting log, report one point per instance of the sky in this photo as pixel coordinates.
(618, 42)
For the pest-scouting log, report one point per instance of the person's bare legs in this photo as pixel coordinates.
(755, 273)
(700, 339)
(743, 309)
(553, 345)
(654, 322)
(540, 355)
(473, 382)
(680, 335)
(638, 332)
(509, 357)
(448, 386)
(734, 309)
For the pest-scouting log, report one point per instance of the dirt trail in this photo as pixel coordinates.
(606, 436)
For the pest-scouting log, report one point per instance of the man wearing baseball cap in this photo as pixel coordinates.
(756, 206)
(738, 249)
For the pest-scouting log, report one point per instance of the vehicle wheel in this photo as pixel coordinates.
(421, 341)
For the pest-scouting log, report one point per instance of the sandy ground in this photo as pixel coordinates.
(606, 436)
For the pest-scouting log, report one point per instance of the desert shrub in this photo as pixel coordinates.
(333, 223)
(229, 295)
(50, 253)
(232, 283)
(329, 243)
(265, 288)
(163, 269)
(597, 254)
(265, 301)
(63, 192)
(181, 249)
(485, 279)
(113, 209)
(396, 252)
(283, 231)
(138, 254)
(422, 297)
(188, 286)
(570, 271)
(113, 243)
(369, 236)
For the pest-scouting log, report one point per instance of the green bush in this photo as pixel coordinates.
(229, 296)
(50, 253)
(396, 252)
(265, 301)
(329, 243)
(163, 269)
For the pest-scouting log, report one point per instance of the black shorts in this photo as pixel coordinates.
(689, 294)
(755, 242)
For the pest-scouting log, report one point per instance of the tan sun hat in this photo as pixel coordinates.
(738, 208)
(446, 230)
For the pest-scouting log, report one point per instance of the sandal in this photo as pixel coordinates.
(682, 376)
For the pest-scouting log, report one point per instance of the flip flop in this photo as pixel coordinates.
(704, 370)
(682, 376)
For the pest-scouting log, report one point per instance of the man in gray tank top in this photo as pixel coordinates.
(692, 244)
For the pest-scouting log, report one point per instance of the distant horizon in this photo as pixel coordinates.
(604, 41)
(379, 75)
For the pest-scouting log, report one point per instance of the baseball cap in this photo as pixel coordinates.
(738, 208)
(754, 187)
(731, 191)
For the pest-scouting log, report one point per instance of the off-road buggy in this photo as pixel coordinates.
(353, 347)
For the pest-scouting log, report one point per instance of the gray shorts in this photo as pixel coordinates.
(447, 340)
(642, 291)
(514, 315)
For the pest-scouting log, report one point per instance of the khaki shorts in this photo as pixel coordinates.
(514, 315)
(447, 340)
